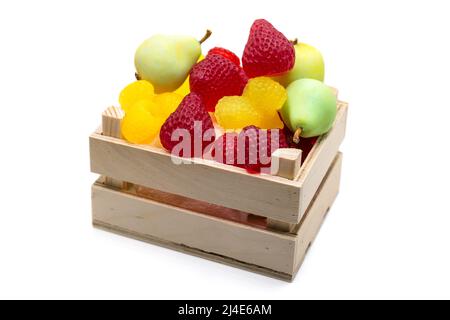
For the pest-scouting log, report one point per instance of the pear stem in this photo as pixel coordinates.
(294, 42)
(296, 137)
(138, 77)
(206, 36)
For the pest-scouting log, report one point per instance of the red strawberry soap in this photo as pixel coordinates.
(227, 54)
(268, 52)
(225, 150)
(216, 77)
(189, 121)
(251, 149)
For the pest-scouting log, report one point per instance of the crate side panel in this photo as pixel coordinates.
(272, 197)
(312, 221)
(320, 159)
(243, 243)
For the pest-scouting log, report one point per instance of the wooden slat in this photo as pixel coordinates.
(320, 158)
(233, 240)
(111, 126)
(264, 195)
(334, 172)
(199, 206)
(194, 252)
(280, 225)
(286, 162)
(231, 243)
(112, 121)
(205, 180)
(312, 221)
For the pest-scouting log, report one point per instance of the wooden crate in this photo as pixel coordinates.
(261, 222)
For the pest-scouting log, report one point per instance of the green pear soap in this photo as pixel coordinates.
(311, 106)
(308, 64)
(165, 61)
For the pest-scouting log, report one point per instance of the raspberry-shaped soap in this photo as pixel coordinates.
(267, 52)
(258, 105)
(138, 90)
(266, 95)
(216, 77)
(259, 146)
(191, 115)
(236, 112)
(251, 149)
(164, 104)
(138, 125)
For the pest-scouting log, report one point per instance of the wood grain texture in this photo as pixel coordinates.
(280, 225)
(264, 195)
(309, 227)
(111, 126)
(286, 162)
(194, 252)
(320, 158)
(199, 206)
(112, 121)
(237, 241)
(274, 254)
(203, 180)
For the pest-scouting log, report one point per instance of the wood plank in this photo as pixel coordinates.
(111, 126)
(264, 195)
(145, 217)
(215, 239)
(204, 180)
(199, 206)
(310, 225)
(112, 121)
(286, 163)
(194, 252)
(320, 158)
(280, 225)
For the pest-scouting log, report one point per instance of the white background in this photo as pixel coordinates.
(388, 234)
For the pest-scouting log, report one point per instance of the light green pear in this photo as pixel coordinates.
(308, 64)
(310, 108)
(165, 61)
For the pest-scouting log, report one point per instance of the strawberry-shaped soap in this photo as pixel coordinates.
(216, 77)
(225, 150)
(267, 141)
(227, 54)
(191, 115)
(268, 52)
(251, 149)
